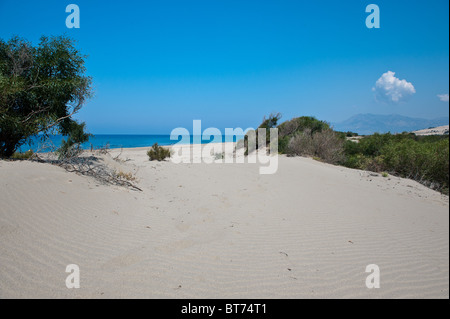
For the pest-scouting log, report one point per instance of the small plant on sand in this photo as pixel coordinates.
(158, 153)
(384, 174)
(125, 176)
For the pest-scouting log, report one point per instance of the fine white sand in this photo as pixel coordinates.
(220, 231)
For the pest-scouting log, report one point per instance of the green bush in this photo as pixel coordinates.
(283, 143)
(356, 161)
(23, 156)
(352, 148)
(299, 124)
(424, 162)
(422, 158)
(372, 145)
(158, 153)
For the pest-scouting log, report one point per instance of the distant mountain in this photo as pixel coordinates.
(365, 124)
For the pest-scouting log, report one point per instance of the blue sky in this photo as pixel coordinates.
(158, 65)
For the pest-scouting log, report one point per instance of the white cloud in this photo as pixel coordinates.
(443, 97)
(388, 88)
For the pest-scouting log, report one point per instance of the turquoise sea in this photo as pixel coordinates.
(119, 141)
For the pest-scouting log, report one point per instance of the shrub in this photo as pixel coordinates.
(356, 161)
(158, 153)
(283, 144)
(294, 128)
(271, 121)
(301, 144)
(288, 128)
(328, 146)
(325, 145)
(125, 176)
(425, 162)
(352, 148)
(374, 164)
(300, 124)
(309, 122)
(422, 158)
(23, 156)
(372, 145)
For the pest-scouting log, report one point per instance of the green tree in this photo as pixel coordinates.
(41, 88)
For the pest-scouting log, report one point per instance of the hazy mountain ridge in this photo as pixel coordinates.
(366, 124)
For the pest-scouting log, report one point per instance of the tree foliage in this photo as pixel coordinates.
(41, 88)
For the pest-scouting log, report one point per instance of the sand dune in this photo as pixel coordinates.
(220, 231)
(440, 130)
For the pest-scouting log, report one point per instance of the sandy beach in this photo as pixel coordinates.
(220, 231)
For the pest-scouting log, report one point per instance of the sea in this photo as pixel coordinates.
(122, 141)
